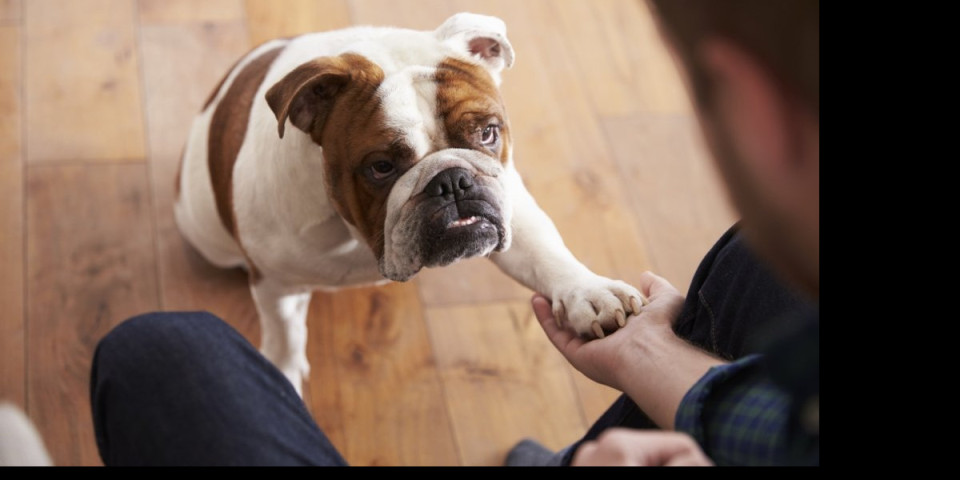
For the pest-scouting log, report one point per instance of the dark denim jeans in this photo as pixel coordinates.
(186, 389)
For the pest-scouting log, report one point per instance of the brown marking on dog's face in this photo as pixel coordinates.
(228, 127)
(468, 103)
(334, 100)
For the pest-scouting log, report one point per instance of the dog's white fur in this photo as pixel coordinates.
(291, 231)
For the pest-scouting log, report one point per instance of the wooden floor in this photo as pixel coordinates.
(449, 369)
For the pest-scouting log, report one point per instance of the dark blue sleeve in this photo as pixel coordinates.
(737, 415)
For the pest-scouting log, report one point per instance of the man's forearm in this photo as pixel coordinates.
(664, 369)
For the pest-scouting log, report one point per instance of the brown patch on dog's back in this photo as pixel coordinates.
(228, 128)
(466, 100)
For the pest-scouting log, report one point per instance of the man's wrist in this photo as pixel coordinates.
(663, 368)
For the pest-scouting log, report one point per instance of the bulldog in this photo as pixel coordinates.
(363, 155)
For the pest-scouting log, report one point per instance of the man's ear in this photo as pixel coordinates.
(307, 94)
(480, 36)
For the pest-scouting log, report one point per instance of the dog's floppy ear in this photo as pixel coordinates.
(481, 36)
(307, 94)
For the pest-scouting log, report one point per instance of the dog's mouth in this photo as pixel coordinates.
(456, 213)
(464, 222)
(461, 229)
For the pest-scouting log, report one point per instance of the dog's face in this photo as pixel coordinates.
(415, 141)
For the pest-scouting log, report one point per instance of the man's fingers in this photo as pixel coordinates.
(620, 446)
(585, 455)
(562, 338)
(689, 459)
(544, 311)
(671, 448)
(594, 454)
(653, 285)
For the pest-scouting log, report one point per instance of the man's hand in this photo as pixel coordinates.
(644, 359)
(640, 448)
(600, 360)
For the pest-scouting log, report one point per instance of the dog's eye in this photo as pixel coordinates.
(490, 135)
(381, 169)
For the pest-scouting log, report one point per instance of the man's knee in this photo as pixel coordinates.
(158, 336)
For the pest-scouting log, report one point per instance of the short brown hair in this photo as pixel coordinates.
(783, 35)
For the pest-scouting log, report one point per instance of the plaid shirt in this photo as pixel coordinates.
(759, 410)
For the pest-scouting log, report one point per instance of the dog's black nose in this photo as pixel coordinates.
(453, 182)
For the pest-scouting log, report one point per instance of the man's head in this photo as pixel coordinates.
(753, 67)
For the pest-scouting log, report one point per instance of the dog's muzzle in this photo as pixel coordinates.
(451, 205)
(461, 219)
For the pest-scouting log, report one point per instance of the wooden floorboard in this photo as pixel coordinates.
(90, 266)
(415, 14)
(448, 369)
(503, 380)
(376, 389)
(617, 49)
(679, 214)
(266, 21)
(12, 324)
(154, 12)
(10, 11)
(83, 103)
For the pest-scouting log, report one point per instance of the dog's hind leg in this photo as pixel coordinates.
(283, 328)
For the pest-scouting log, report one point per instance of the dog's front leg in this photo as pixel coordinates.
(538, 259)
(283, 328)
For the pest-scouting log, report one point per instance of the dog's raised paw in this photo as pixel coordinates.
(596, 307)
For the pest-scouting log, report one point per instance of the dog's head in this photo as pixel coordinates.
(415, 139)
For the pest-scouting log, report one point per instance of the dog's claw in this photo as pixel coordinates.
(595, 309)
(597, 330)
(560, 313)
(635, 305)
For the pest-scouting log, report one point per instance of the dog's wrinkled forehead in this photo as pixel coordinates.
(417, 92)
(408, 100)
(435, 108)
